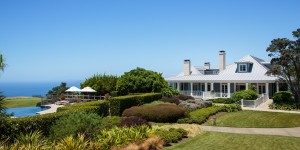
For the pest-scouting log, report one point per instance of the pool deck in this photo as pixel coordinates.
(52, 109)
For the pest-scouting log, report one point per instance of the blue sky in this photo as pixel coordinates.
(60, 40)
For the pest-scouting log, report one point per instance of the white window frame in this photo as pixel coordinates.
(240, 65)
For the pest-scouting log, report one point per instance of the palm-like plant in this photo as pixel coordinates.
(2, 64)
(32, 140)
(72, 143)
(2, 107)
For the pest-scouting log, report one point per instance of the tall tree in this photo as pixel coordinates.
(101, 83)
(58, 89)
(140, 80)
(285, 55)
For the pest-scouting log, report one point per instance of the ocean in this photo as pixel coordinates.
(31, 89)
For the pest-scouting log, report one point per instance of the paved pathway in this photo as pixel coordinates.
(295, 132)
(265, 107)
(52, 109)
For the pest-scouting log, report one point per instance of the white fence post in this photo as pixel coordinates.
(242, 103)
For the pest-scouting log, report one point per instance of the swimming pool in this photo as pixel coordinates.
(25, 111)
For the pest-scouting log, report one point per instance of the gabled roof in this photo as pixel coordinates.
(257, 75)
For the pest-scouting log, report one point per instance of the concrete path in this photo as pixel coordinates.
(52, 109)
(295, 132)
(265, 107)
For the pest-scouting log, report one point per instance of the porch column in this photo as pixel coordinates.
(267, 90)
(277, 86)
(247, 86)
(178, 86)
(234, 87)
(205, 84)
(221, 90)
(191, 88)
(257, 89)
(211, 86)
(228, 89)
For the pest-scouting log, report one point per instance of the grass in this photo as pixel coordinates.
(15, 102)
(257, 119)
(229, 141)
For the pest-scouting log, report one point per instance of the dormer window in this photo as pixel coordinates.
(242, 67)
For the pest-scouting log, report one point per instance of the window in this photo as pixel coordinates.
(242, 68)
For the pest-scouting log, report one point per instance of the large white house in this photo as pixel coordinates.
(206, 82)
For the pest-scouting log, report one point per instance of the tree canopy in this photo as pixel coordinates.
(58, 89)
(141, 80)
(285, 55)
(101, 83)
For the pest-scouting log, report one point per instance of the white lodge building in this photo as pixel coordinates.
(206, 82)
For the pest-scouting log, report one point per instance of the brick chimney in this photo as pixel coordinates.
(222, 60)
(187, 67)
(207, 65)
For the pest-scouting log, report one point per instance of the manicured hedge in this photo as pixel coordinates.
(172, 135)
(44, 122)
(201, 115)
(99, 107)
(156, 113)
(119, 104)
(223, 100)
(245, 94)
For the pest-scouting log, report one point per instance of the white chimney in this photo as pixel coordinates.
(187, 67)
(207, 65)
(222, 60)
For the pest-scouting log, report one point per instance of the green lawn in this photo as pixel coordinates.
(15, 102)
(257, 119)
(232, 141)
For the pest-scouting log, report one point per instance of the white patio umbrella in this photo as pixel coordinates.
(88, 90)
(73, 89)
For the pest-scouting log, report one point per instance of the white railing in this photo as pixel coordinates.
(197, 93)
(254, 103)
(185, 92)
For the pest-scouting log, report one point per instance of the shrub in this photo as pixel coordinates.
(119, 104)
(231, 107)
(169, 92)
(157, 113)
(201, 115)
(223, 100)
(184, 97)
(283, 106)
(157, 103)
(191, 105)
(110, 122)
(117, 136)
(245, 94)
(77, 123)
(283, 97)
(172, 135)
(72, 142)
(134, 121)
(99, 107)
(33, 123)
(174, 100)
(151, 143)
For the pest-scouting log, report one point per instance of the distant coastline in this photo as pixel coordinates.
(15, 89)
